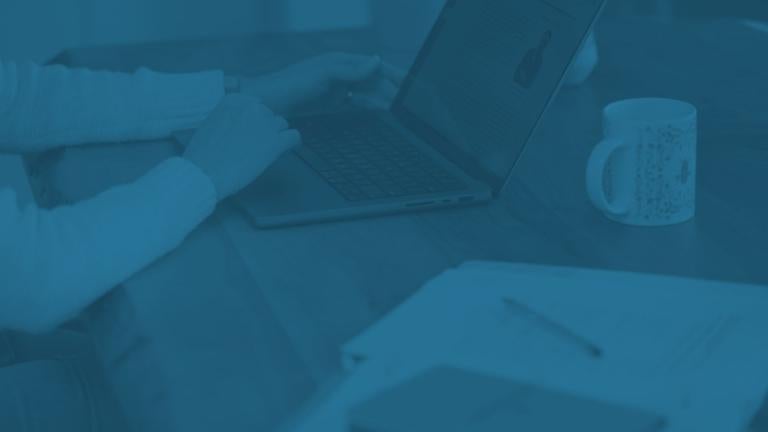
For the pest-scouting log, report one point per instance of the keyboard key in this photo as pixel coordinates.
(393, 190)
(373, 192)
(367, 159)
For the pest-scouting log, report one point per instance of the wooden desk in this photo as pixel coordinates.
(239, 326)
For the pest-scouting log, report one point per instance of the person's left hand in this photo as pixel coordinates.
(362, 80)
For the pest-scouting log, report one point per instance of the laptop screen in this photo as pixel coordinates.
(487, 73)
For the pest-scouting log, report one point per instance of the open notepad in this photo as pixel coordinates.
(695, 352)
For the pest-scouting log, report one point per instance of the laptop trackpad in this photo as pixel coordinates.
(289, 187)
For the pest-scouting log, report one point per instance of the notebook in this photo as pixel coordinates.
(448, 399)
(692, 351)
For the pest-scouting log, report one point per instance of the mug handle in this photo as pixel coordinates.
(623, 181)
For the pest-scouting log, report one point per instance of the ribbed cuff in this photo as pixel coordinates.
(191, 188)
(182, 100)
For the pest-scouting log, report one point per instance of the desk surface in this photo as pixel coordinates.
(242, 325)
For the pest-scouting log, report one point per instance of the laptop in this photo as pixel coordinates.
(465, 112)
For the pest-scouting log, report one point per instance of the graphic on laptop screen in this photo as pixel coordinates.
(489, 70)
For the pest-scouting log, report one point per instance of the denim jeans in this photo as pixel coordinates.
(53, 383)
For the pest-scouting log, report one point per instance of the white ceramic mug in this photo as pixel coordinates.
(585, 62)
(644, 171)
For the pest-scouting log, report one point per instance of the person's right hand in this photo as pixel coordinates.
(238, 142)
(365, 81)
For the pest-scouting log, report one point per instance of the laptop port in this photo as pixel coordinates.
(420, 204)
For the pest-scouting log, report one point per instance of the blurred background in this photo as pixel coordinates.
(38, 29)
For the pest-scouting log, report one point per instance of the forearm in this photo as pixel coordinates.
(45, 107)
(55, 263)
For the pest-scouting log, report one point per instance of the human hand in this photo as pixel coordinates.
(238, 142)
(363, 80)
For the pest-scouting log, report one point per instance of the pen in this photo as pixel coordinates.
(555, 327)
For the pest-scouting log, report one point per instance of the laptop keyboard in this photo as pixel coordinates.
(364, 158)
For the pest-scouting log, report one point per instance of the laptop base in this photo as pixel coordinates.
(290, 193)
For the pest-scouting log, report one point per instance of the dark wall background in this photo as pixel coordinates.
(752, 9)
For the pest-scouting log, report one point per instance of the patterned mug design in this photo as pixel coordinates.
(650, 154)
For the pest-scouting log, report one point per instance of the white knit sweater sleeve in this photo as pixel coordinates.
(53, 263)
(52, 106)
